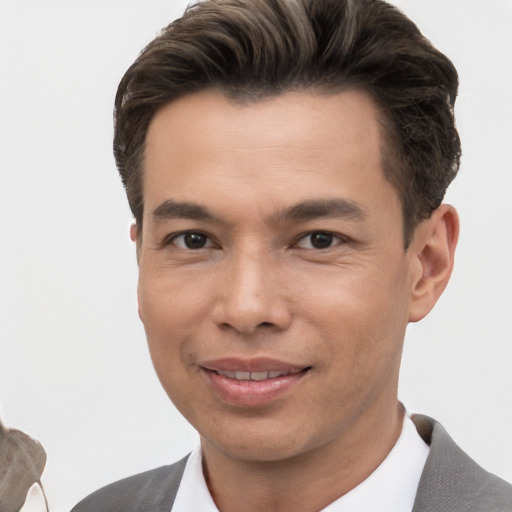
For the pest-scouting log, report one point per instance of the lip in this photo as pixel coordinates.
(259, 364)
(257, 391)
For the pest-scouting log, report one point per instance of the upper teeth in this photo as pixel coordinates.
(252, 375)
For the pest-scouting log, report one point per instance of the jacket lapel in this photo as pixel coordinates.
(451, 481)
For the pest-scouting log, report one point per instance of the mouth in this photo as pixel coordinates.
(252, 383)
(256, 376)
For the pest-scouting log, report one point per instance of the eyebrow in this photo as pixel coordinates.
(182, 210)
(307, 210)
(319, 208)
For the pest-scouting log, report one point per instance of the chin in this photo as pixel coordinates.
(261, 443)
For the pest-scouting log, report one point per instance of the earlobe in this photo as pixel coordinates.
(433, 248)
(133, 232)
(135, 237)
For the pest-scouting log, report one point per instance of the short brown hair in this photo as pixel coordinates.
(252, 49)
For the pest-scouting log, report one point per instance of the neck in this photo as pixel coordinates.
(306, 482)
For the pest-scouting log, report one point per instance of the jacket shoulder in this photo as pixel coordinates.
(153, 490)
(452, 481)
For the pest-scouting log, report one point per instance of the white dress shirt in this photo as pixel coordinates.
(390, 488)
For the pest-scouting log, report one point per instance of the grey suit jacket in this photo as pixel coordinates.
(450, 482)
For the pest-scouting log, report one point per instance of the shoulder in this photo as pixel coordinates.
(452, 481)
(153, 490)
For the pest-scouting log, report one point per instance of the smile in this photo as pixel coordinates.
(257, 376)
(252, 383)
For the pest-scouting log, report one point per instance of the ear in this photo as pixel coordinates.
(135, 236)
(433, 250)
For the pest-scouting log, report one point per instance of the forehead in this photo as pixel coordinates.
(296, 145)
(288, 118)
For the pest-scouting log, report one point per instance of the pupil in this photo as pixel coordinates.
(195, 240)
(321, 240)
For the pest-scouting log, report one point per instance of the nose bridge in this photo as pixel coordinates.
(252, 295)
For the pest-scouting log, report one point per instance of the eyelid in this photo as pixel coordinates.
(172, 237)
(340, 239)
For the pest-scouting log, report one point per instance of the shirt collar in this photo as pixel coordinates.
(390, 488)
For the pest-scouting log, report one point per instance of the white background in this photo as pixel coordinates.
(74, 369)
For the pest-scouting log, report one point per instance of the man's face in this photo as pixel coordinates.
(274, 286)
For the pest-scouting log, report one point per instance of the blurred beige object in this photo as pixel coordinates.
(35, 501)
(22, 461)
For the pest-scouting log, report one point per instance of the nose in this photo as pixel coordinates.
(251, 295)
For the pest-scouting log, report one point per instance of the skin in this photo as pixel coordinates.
(259, 285)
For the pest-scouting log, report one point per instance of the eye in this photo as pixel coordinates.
(319, 240)
(191, 240)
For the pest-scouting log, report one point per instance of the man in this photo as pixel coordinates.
(285, 162)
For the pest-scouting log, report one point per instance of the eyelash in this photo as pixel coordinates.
(171, 239)
(329, 238)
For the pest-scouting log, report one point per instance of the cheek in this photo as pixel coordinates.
(163, 316)
(168, 304)
(174, 310)
(363, 317)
